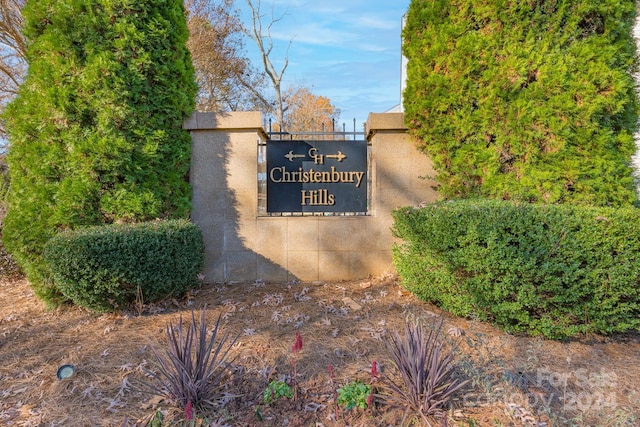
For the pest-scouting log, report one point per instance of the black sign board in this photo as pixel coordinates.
(316, 176)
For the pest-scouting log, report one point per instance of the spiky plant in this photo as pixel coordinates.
(192, 370)
(425, 369)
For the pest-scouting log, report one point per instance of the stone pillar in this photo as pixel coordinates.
(224, 173)
(400, 174)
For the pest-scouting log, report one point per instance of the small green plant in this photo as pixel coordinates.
(354, 394)
(275, 390)
(191, 372)
(427, 380)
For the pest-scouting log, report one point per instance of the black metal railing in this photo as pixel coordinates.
(322, 134)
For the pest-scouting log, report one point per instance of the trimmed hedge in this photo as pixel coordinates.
(101, 267)
(551, 270)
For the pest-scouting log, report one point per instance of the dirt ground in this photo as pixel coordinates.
(514, 380)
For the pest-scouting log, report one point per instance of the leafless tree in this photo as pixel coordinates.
(13, 65)
(264, 41)
(223, 72)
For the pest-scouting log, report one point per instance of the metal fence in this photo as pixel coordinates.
(323, 134)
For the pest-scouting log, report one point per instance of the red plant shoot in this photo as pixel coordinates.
(374, 378)
(297, 346)
(188, 411)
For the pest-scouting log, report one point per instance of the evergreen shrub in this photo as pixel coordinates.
(95, 131)
(530, 100)
(551, 270)
(104, 268)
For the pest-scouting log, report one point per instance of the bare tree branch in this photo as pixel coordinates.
(13, 65)
(216, 43)
(11, 26)
(275, 76)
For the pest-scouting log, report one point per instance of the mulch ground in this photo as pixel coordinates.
(514, 380)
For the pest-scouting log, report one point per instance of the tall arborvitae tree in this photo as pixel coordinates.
(95, 131)
(527, 100)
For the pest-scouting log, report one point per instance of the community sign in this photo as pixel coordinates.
(317, 176)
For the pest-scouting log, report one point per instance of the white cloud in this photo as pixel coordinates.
(346, 50)
(313, 33)
(378, 22)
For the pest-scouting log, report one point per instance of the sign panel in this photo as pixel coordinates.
(317, 176)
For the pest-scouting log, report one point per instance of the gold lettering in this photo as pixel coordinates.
(306, 198)
(271, 175)
(318, 159)
(317, 198)
(282, 175)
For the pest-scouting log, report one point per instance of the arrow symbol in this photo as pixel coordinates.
(338, 156)
(292, 156)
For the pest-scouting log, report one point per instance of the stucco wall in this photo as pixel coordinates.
(242, 246)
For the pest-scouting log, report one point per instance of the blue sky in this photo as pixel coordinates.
(346, 50)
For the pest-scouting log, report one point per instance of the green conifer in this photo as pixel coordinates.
(525, 100)
(95, 131)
